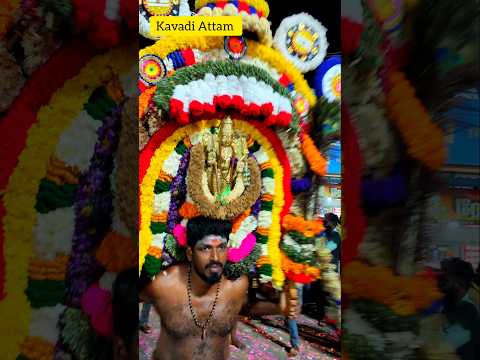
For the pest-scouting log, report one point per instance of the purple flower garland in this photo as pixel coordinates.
(93, 209)
(301, 185)
(382, 193)
(178, 190)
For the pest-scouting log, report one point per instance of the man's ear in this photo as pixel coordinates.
(189, 253)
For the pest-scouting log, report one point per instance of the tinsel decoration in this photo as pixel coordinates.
(76, 334)
(326, 122)
(235, 270)
(383, 318)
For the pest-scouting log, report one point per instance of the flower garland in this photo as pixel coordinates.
(52, 233)
(351, 34)
(7, 15)
(261, 6)
(426, 141)
(101, 20)
(317, 162)
(151, 163)
(116, 253)
(399, 293)
(163, 153)
(224, 86)
(266, 54)
(298, 272)
(144, 100)
(92, 207)
(355, 220)
(250, 22)
(306, 227)
(22, 186)
(282, 199)
(298, 248)
(22, 114)
(385, 192)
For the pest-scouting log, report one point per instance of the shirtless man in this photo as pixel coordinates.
(197, 305)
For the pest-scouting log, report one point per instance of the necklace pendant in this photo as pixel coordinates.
(204, 333)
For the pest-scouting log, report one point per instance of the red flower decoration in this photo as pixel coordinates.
(351, 34)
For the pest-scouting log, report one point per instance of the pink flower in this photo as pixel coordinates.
(238, 254)
(97, 304)
(180, 233)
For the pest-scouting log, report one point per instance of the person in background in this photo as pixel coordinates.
(125, 315)
(333, 240)
(292, 321)
(144, 315)
(462, 326)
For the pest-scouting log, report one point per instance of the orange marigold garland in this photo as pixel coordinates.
(117, 253)
(317, 162)
(400, 293)
(144, 100)
(308, 228)
(425, 139)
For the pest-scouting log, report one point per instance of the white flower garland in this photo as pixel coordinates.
(355, 324)
(82, 134)
(43, 323)
(248, 225)
(53, 233)
(107, 280)
(161, 202)
(305, 249)
(249, 88)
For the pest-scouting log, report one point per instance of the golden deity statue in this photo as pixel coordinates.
(226, 155)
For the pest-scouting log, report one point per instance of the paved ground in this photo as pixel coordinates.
(257, 345)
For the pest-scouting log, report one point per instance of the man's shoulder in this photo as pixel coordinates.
(239, 284)
(170, 276)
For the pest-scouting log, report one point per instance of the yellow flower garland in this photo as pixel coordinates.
(19, 199)
(164, 151)
(148, 184)
(267, 54)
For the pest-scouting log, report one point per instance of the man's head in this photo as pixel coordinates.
(207, 247)
(456, 277)
(125, 315)
(330, 221)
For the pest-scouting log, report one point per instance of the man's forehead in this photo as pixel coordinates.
(213, 240)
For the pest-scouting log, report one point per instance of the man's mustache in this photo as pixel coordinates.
(214, 263)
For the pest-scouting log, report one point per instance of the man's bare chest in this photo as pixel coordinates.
(178, 321)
